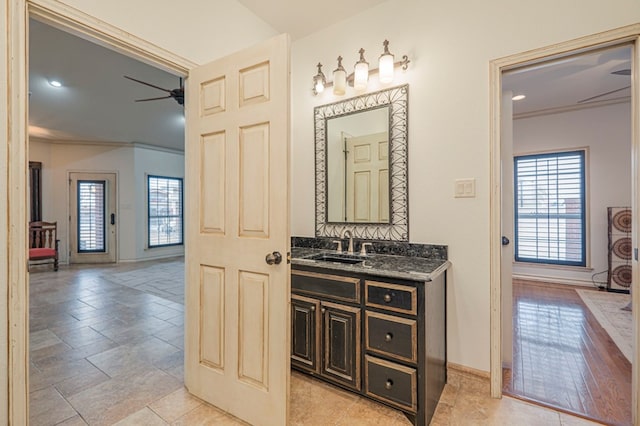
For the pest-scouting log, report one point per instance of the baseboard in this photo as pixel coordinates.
(467, 378)
(160, 257)
(554, 280)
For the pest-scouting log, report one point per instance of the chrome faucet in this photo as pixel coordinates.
(343, 234)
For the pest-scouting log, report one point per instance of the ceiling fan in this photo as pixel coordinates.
(625, 72)
(177, 94)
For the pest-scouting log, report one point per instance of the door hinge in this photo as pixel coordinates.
(288, 257)
(635, 253)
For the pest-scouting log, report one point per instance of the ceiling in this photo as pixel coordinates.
(571, 82)
(96, 102)
(301, 18)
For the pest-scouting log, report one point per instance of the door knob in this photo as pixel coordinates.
(505, 241)
(273, 258)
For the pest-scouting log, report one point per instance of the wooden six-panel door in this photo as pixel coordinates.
(237, 212)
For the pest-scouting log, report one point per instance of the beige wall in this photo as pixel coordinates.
(450, 45)
(199, 30)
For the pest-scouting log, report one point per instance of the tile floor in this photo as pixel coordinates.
(107, 348)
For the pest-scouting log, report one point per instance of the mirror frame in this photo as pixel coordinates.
(397, 98)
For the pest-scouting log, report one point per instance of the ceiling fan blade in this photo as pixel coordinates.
(147, 84)
(153, 99)
(622, 72)
(603, 94)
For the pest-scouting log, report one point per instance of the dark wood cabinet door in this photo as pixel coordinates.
(305, 336)
(341, 341)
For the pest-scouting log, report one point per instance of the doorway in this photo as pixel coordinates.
(92, 217)
(19, 373)
(590, 255)
(569, 151)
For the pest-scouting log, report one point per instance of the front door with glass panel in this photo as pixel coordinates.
(92, 217)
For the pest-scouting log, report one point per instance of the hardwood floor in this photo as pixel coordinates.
(563, 358)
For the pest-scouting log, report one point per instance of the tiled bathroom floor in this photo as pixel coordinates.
(107, 348)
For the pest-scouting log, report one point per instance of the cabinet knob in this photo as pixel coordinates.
(387, 298)
(388, 337)
(313, 309)
(389, 384)
(324, 310)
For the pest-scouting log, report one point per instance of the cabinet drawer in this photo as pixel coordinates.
(326, 285)
(391, 336)
(393, 297)
(392, 383)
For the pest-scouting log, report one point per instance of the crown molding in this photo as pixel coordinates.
(586, 105)
(108, 144)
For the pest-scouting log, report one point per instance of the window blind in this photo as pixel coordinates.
(91, 213)
(550, 208)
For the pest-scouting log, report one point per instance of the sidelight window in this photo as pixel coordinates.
(91, 216)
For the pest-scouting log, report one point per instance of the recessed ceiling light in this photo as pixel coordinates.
(518, 97)
(55, 83)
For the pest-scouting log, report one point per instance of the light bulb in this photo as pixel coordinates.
(385, 64)
(339, 79)
(361, 72)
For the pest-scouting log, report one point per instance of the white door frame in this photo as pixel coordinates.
(626, 34)
(14, 349)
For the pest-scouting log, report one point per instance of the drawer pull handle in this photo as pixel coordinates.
(388, 337)
(389, 384)
(387, 298)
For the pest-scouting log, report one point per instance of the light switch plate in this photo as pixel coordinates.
(465, 188)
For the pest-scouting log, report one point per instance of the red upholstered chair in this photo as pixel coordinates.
(43, 243)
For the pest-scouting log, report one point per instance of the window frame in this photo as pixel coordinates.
(149, 217)
(582, 153)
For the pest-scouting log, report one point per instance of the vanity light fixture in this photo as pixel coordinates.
(360, 76)
(319, 81)
(55, 83)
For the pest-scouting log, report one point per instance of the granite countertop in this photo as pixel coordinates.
(404, 267)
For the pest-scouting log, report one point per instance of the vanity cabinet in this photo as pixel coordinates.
(325, 335)
(383, 338)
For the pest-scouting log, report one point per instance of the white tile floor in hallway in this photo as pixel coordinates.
(107, 348)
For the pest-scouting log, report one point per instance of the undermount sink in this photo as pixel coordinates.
(339, 258)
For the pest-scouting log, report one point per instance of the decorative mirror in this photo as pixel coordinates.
(361, 166)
